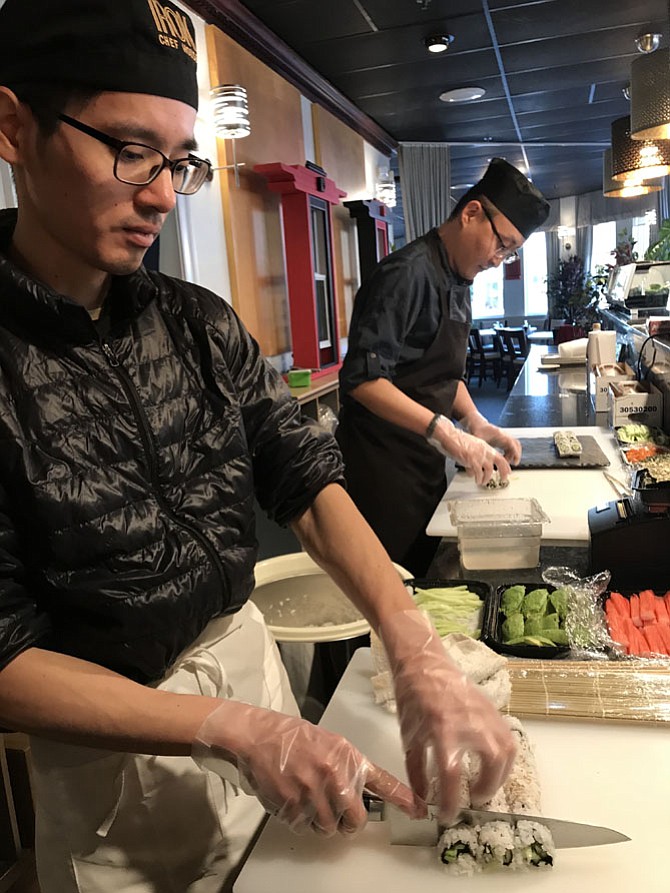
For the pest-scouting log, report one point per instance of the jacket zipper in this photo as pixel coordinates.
(148, 444)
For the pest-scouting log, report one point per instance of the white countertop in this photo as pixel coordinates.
(565, 494)
(611, 774)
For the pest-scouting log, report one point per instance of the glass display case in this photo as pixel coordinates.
(644, 284)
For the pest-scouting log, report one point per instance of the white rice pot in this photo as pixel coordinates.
(313, 609)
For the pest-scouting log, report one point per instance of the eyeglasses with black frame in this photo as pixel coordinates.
(138, 165)
(507, 255)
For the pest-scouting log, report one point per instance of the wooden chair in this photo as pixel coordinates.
(516, 349)
(483, 358)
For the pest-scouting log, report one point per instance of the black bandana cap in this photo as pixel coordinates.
(128, 46)
(513, 195)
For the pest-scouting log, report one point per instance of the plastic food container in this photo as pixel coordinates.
(492, 630)
(477, 587)
(498, 534)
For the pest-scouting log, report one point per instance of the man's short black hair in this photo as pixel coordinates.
(470, 197)
(47, 101)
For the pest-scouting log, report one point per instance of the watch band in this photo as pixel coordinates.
(430, 430)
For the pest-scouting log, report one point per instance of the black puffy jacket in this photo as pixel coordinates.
(128, 467)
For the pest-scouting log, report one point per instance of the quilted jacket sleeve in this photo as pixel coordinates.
(293, 458)
(21, 624)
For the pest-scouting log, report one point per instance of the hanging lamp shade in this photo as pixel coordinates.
(626, 188)
(231, 111)
(641, 159)
(650, 96)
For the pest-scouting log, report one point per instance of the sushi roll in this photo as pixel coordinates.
(533, 844)
(459, 850)
(458, 847)
(496, 839)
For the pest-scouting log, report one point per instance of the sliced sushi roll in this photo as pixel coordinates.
(458, 849)
(533, 844)
(496, 839)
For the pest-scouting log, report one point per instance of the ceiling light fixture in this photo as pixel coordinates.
(642, 159)
(626, 189)
(647, 42)
(463, 94)
(650, 96)
(438, 43)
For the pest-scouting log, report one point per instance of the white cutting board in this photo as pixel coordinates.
(565, 494)
(611, 774)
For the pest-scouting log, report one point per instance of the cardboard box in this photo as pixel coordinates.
(634, 401)
(599, 382)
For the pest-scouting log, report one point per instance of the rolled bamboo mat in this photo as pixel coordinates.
(628, 691)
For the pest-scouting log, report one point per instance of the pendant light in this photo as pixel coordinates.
(650, 96)
(640, 159)
(626, 188)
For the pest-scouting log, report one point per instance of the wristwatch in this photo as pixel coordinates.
(430, 431)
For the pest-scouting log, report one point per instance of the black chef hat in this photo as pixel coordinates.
(131, 46)
(513, 195)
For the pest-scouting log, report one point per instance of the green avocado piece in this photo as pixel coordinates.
(512, 627)
(556, 636)
(533, 625)
(535, 602)
(550, 621)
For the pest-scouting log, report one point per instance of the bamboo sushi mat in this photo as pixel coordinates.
(634, 691)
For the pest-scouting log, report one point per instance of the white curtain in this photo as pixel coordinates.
(425, 178)
(663, 200)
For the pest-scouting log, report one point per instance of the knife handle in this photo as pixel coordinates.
(374, 807)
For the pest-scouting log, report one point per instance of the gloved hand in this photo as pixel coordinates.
(474, 454)
(475, 424)
(441, 710)
(306, 776)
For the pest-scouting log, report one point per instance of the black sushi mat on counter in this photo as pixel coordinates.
(540, 452)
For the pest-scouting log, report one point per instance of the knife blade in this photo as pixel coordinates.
(426, 832)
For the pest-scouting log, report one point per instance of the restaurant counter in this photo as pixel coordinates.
(547, 396)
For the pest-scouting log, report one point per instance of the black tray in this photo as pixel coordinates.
(492, 634)
(540, 452)
(650, 491)
(483, 590)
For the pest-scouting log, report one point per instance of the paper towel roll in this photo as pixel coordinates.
(601, 348)
(574, 349)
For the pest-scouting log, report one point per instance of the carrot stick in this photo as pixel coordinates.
(662, 616)
(620, 603)
(635, 610)
(647, 611)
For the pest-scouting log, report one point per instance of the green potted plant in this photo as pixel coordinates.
(660, 250)
(573, 296)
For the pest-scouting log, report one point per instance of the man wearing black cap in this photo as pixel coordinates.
(137, 421)
(402, 377)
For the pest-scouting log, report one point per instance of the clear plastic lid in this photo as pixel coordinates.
(506, 516)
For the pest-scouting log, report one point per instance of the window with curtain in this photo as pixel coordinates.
(604, 243)
(535, 275)
(641, 235)
(487, 294)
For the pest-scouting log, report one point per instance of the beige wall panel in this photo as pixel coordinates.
(341, 153)
(251, 212)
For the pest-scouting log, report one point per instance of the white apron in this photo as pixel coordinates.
(125, 823)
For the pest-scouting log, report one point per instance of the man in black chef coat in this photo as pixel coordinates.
(402, 378)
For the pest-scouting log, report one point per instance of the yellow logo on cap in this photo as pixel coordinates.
(173, 30)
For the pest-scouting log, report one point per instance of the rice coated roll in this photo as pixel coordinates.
(533, 844)
(496, 839)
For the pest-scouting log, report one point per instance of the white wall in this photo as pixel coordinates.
(198, 232)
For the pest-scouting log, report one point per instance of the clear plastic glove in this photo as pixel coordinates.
(475, 455)
(308, 777)
(477, 425)
(442, 715)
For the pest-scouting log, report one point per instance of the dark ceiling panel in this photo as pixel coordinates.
(565, 64)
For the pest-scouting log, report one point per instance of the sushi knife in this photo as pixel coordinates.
(426, 832)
